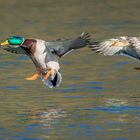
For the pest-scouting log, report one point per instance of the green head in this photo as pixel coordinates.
(13, 40)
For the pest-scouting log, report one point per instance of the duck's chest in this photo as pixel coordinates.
(40, 53)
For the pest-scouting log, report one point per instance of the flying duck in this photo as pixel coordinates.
(45, 54)
(124, 46)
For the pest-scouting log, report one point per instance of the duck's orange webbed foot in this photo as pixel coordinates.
(34, 77)
(137, 68)
(49, 72)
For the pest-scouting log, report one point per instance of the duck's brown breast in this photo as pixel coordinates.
(29, 46)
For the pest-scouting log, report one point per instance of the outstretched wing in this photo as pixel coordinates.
(63, 47)
(135, 42)
(16, 49)
(117, 46)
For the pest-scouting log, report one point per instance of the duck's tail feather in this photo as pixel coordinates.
(55, 82)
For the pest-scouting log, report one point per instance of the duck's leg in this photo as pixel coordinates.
(137, 68)
(34, 77)
(49, 72)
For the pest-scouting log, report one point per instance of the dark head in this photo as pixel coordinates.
(13, 44)
(13, 41)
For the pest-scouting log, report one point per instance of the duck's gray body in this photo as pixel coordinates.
(45, 54)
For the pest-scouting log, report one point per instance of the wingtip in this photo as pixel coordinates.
(82, 34)
(85, 34)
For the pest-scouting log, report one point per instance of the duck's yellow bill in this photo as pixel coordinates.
(4, 43)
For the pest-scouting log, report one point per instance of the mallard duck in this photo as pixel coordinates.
(124, 46)
(45, 54)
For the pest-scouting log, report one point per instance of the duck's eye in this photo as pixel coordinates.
(17, 37)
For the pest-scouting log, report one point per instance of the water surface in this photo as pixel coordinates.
(99, 97)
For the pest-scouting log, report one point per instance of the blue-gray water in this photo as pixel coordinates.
(99, 97)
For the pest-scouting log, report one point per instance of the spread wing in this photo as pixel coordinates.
(16, 49)
(63, 47)
(125, 46)
(135, 42)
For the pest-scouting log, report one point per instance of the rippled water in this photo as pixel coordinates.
(99, 97)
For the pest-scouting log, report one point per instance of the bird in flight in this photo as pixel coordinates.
(123, 46)
(45, 54)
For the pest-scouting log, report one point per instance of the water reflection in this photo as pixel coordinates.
(99, 97)
(115, 102)
(45, 117)
(44, 120)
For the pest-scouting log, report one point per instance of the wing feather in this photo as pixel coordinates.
(135, 42)
(16, 50)
(63, 47)
(109, 47)
(124, 46)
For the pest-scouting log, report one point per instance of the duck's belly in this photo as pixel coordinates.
(40, 54)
